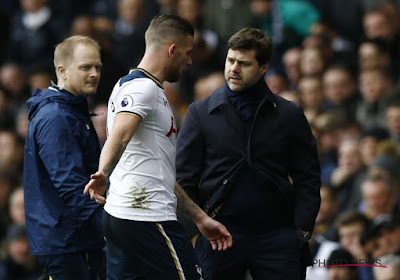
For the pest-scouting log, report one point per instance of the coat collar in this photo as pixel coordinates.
(218, 98)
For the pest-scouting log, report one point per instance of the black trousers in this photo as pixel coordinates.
(271, 255)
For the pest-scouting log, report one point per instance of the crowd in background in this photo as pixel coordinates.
(338, 59)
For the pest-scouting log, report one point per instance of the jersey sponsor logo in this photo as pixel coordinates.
(172, 129)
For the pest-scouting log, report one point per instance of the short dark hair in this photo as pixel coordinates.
(352, 217)
(252, 39)
(166, 26)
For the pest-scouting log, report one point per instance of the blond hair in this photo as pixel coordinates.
(64, 51)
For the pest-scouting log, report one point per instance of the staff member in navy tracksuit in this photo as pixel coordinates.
(269, 217)
(61, 151)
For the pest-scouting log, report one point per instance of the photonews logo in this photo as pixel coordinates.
(345, 262)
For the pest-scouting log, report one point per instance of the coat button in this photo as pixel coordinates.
(225, 181)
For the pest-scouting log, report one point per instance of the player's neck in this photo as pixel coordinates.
(154, 65)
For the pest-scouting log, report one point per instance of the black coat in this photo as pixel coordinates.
(277, 144)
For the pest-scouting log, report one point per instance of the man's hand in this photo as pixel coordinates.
(97, 187)
(215, 232)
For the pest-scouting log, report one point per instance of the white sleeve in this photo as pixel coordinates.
(138, 97)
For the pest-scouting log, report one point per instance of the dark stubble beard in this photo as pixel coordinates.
(172, 76)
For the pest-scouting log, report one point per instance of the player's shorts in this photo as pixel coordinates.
(148, 250)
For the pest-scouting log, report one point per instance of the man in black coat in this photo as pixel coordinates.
(249, 157)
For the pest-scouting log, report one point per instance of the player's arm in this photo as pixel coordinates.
(125, 125)
(214, 231)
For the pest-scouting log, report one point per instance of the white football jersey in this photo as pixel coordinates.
(143, 182)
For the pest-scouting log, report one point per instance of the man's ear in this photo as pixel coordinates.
(61, 71)
(171, 50)
(264, 68)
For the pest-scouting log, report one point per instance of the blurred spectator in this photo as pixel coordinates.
(351, 228)
(167, 6)
(376, 89)
(130, 25)
(17, 263)
(343, 16)
(311, 96)
(205, 86)
(276, 80)
(393, 120)
(193, 11)
(381, 25)
(340, 90)
(34, 32)
(208, 50)
(328, 211)
(7, 183)
(379, 196)
(368, 143)
(11, 153)
(341, 50)
(6, 109)
(227, 17)
(372, 54)
(287, 22)
(111, 71)
(16, 206)
(388, 147)
(104, 8)
(324, 237)
(291, 64)
(341, 256)
(329, 126)
(83, 25)
(22, 123)
(347, 176)
(290, 95)
(392, 269)
(70, 9)
(378, 26)
(321, 42)
(39, 76)
(323, 248)
(14, 80)
(385, 230)
(386, 163)
(312, 62)
(388, 7)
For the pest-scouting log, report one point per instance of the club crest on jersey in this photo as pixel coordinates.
(126, 101)
(172, 129)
